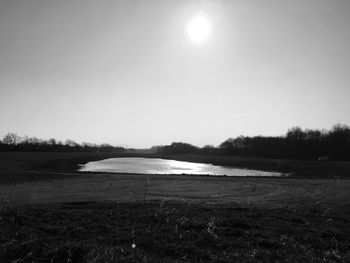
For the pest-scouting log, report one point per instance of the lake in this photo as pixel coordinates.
(138, 165)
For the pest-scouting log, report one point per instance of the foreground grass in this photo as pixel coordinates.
(173, 232)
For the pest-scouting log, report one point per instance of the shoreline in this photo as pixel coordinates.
(52, 212)
(14, 166)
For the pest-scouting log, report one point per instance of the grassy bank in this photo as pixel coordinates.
(12, 164)
(300, 220)
(296, 168)
(173, 232)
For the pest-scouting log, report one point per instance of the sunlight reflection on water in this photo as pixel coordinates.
(161, 166)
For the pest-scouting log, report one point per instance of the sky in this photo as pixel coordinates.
(127, 73)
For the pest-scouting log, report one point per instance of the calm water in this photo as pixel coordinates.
(162, 166)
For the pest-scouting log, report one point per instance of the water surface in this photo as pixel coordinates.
(137, 165)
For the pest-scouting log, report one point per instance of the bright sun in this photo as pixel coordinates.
(198, 29)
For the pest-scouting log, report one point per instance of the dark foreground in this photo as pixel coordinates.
(51, 213)
(174, 232)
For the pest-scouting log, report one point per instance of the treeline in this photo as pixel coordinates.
(13, 142)
(296, 144)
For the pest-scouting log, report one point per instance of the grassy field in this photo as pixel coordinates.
(51, 213)
(174, 232)
(12, 164)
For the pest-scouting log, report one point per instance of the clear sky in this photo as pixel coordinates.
(127, 73)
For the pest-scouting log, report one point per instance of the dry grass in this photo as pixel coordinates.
(12, 164)
(173, 232)
(289, 220)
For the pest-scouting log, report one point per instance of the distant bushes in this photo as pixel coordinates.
(296, 144)
(13, 142)
(178, 148)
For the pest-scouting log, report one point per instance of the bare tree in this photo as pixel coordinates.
(52, 141)
(11, 139)
(71, 143)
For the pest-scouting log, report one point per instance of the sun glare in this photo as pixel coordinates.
(198, 29)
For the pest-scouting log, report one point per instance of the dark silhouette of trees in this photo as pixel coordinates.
(178, 148)
(11, 139)
(13, 142)
(208, 149)
(296, 134)
(296, 144)
(338, 142)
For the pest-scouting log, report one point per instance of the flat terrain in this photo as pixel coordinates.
(51, 213)
(12, 164)
(174, 232)
(136, 187)
(27, 178)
